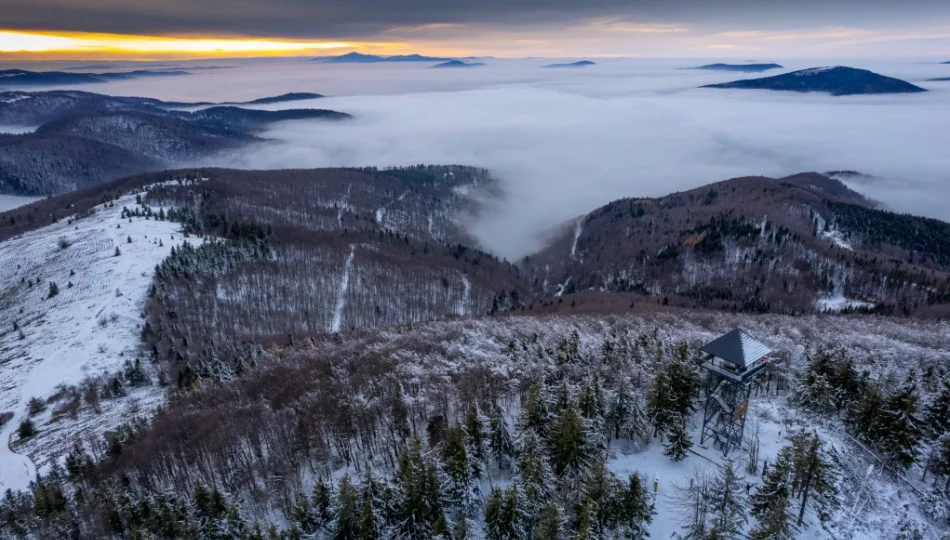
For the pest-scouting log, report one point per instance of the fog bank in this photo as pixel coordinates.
(567, 141)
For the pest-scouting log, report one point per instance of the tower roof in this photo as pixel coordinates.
(737, 347)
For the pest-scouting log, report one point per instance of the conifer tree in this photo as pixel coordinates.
(625, 416)
(535, 414)
(500, 442)
(678, 444)
(535, 478)
(504, 515)
(461, 530)
(550, 524)
(418, 494)
(568, 442)
(660, 403)
(475, 440)
(728, 507)
(461, 486)
(346, 512)
(586, 526)
(368, 526)
(633, 510)
(770, 504)
(901, 428)
(937, 417)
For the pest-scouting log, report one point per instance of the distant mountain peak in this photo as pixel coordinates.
(458, 64)
(745, 68)
(579, 64)
(361, 58)
(835, 80)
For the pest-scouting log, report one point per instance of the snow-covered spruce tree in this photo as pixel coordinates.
(569, 442)
(632, 509)
(368, 525)
(418, 494)
(862, 418)
(346, 511)
(813, 473)
(461, 487)
(770, 503)
(660, 404)
(937, 417)
(684, 380)
(625, 416)
(500, 443)
(534, 478)
(535, 411)
(475, 440)
(901, 429)
(550, 525)
(940, 461)
(504, 515)
(586, 526)
(678, 444)
(728, 504)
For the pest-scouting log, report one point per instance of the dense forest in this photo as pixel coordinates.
(505, 429)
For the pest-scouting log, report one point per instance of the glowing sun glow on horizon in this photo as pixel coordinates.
(30, 42)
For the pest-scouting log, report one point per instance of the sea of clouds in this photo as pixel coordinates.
(565, 141)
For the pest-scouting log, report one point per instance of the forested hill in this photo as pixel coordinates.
(82, 139)
(793, 244)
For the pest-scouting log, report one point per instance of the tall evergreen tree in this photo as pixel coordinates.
(500, 442)
(728, 507)
(534, 478)
(504, 515)
(550, 524)
(937, 417)
(418, 494)
(475, 440)
(346, 511)
(678, 445)
(633, 510)
(901, 427)
(660, 406)
(461, 485)
(569, 444)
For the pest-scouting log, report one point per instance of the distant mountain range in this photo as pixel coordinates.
(84, 138)
(21, 77)
(745, 68)
(291, 96)
(939, 79)
(580, 64)
(360, 58)
(458, 64)
(837, 81)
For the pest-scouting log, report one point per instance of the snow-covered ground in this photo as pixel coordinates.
(90, 327)
(17, 130)
(840, 302)
(9, 202)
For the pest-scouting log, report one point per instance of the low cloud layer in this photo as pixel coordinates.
(567, 141)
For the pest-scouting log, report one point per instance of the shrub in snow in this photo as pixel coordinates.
(26, 429)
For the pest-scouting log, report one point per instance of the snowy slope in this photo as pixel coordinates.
(89, 328)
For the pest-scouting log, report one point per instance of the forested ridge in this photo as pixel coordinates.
(496, 430)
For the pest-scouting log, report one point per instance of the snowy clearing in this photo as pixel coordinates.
(100, 267)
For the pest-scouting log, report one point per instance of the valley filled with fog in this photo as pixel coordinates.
(565, 141)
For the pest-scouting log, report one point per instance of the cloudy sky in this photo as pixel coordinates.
(776, 28)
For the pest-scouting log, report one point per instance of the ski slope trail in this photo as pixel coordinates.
(91, 326)
(337, 322)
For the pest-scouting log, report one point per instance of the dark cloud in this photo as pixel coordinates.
(355, 19)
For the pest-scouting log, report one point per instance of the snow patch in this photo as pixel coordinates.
(337, 322)
(840, 302)
(89, 327)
